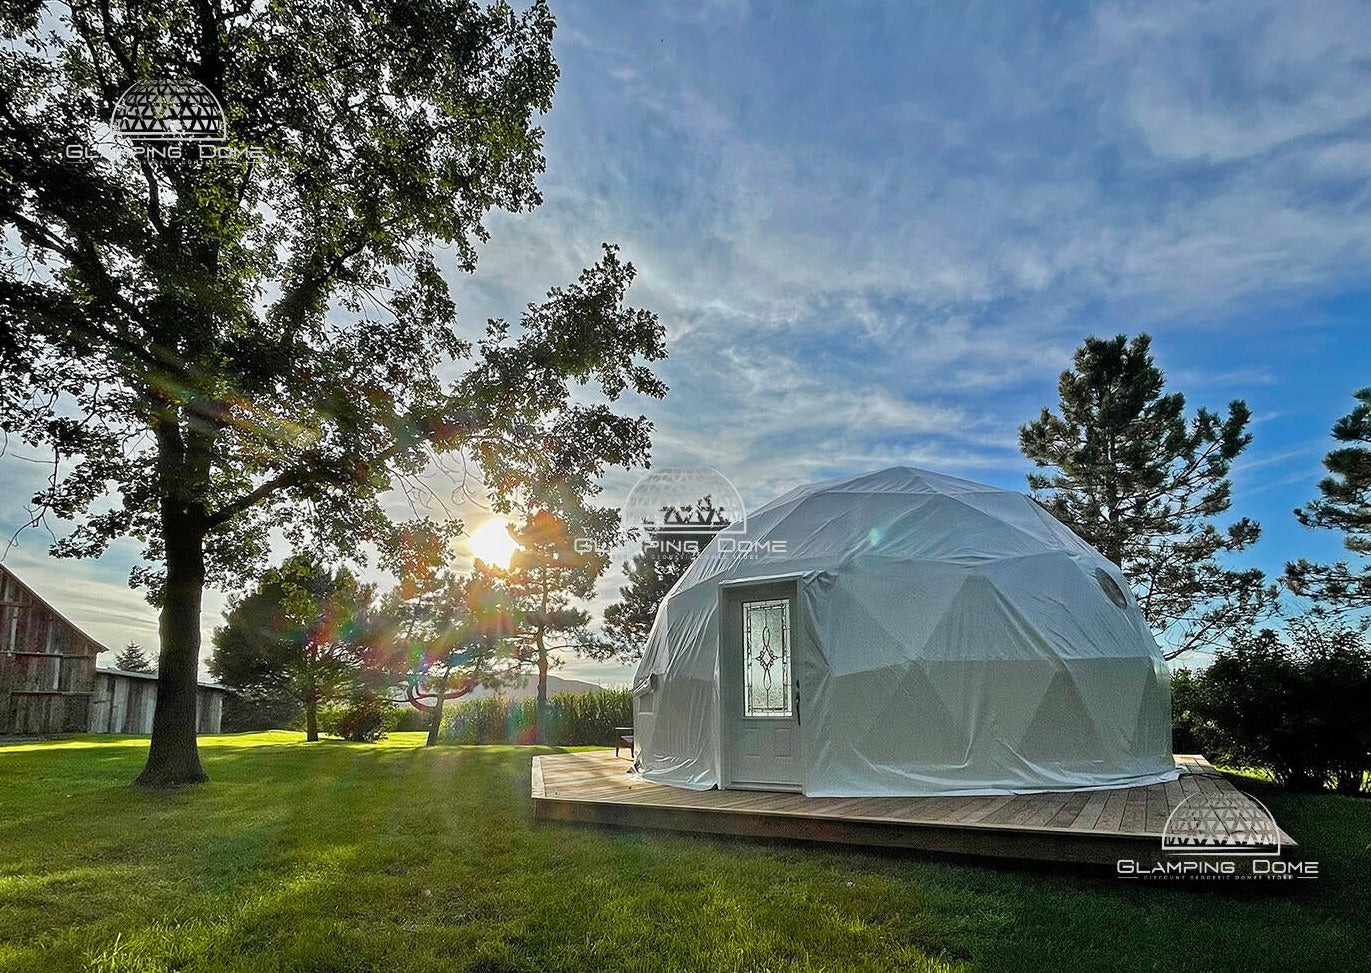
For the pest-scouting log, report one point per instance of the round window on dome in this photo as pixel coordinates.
(1111, 587)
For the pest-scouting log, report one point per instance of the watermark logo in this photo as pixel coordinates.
(686, 509)
(1221, 823)
(168, 119)
(183, 110)
(682, 502)
(1219, 834)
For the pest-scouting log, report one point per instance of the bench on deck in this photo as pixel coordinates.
(623, 737)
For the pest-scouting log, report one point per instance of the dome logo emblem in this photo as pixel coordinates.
(182, 110)
(684, 501)
(1220, 834)
(1221, 823)
(684, 510)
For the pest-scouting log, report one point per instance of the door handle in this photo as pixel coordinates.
(797, 702)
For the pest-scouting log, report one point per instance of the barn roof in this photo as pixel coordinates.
(111, 671)
(76, 629)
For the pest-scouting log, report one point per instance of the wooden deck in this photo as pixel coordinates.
(1097, 827)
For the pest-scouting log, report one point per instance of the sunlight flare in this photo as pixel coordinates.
(491, 543)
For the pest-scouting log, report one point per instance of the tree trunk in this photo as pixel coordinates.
(312, 716)
(172, 756)
(540, 711)
(435, 725)
(541, 714)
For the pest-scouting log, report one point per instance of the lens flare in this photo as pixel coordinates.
(491, 543)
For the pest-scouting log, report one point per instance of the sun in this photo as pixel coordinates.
(491, 543)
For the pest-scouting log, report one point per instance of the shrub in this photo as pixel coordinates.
(573, 719)
(409, 720)
(1294, 704)
(245, 710)
(329, 716)
(365, 719)
(492, 719)
(1336, 666)
(1191, 732)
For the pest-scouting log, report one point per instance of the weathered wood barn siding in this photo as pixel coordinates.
(123, 703)
(49, 682)
(47, 664)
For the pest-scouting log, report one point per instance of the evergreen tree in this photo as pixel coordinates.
(450, 636)
(1344, 505)
(548, 570)
(1142, 484)
(133, 659)
(305, 632)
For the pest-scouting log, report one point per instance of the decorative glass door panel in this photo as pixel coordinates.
(766, 659)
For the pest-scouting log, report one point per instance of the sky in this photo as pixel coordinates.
(876, 234)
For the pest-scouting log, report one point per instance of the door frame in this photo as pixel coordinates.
(733, 593)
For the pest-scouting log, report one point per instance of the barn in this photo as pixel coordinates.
(49, 681)
(123, 702)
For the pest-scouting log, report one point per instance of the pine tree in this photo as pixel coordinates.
(545, 573)
(1344, 505)
(303, 632)
(1142, 484)
(449, 636)
(133, 659)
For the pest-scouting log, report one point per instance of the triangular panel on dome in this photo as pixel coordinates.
(940, 739)
(1063, 729)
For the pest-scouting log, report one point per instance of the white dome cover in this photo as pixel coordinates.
(964, 642)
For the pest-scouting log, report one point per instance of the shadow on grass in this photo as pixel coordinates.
(353, 856)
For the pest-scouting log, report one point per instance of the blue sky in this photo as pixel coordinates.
(876, 234)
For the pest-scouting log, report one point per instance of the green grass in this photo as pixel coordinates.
(336, 856)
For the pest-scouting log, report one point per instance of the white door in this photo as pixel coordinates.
(760, 687)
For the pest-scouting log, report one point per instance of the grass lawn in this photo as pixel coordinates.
(335, 856)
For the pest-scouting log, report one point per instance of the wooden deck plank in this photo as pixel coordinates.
(1044, 808)
(1134, 811)
(593, 786)
(977, 812)
(1111, 818)
(1028, 809)
(1157, 808)
(1175, 794)
(1070, 810)
(947, 809)
(537, 782)
(1090, 814)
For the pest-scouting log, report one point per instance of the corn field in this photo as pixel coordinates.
(574, 719)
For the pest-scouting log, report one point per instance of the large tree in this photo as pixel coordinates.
(1143, 484)
(257, 339)
(303, 633)
(1344, 504)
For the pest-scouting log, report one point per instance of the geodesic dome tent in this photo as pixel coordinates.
(902, 633)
